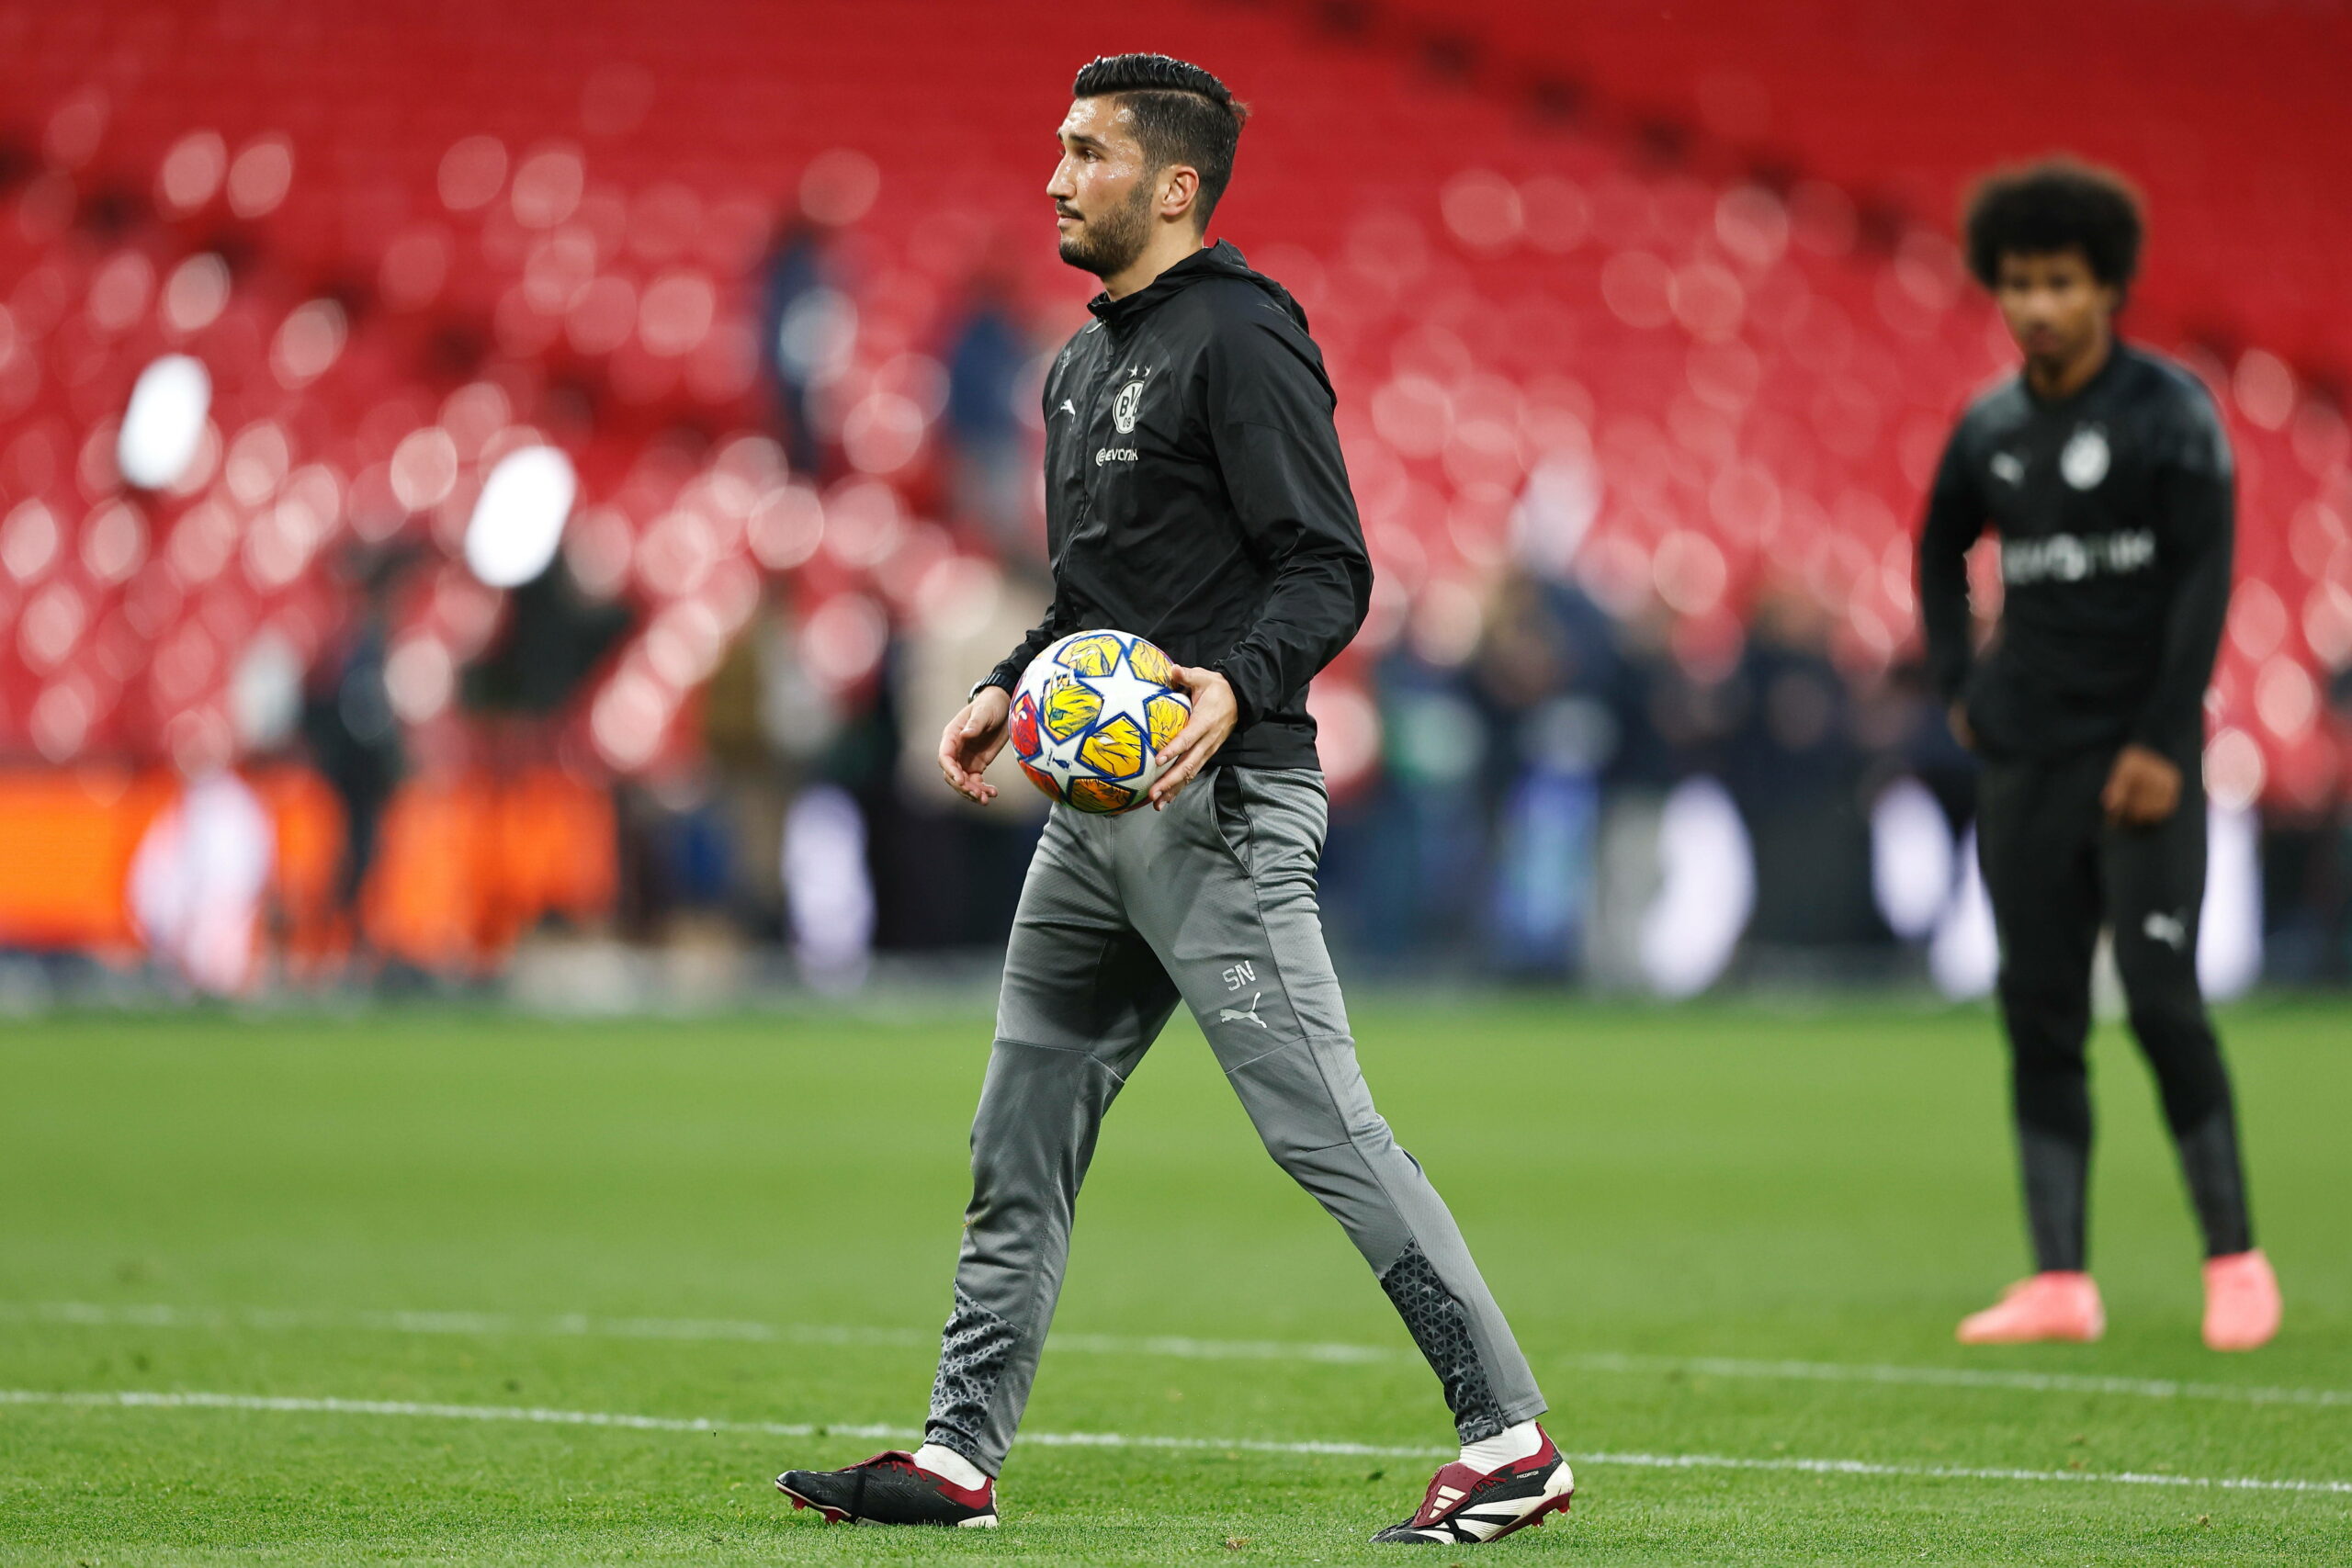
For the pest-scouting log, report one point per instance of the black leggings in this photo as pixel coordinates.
(2057, 871)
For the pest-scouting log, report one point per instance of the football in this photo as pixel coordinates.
(1091, 712)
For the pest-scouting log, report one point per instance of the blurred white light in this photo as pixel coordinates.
(678, 552)
(2264, 388)
(196, 294)
(1347, 727)
(816, 338)
(1448, 619)
(864, 521)
(828, 887)
(265, 692)
(843, 641)
(76, 128)
(1706, 890)
(882, 433)
(120, 291)
(2286, 699)
(1690, 573)
(957, 597)
(786, 527)
(259, 178)
(629, 718)
(1414, 415)
(423, 467)
(309, 341)
(113, 543)
(471, 172)
(473, 414)
(59, 721)
(191, 171)
(518, 519)
(2257, 619)
(202, 542)
(684, 643)
(675, 312)
(596, 547)
(547, 186)
(28, 541)
(2228, 930)
(1965, 955)
(2327, 623)
(256, 462)
(420, 677)
(839, 186)
(163, 426)
(2234, 771)
(1634, 285)
(196, 880)
(50, 625)
(1911, 858)
(1708, 300)
(1482, 209)
(1752, 225)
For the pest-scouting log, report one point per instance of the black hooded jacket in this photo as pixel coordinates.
(1195, 495)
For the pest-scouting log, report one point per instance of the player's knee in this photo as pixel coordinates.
(2047, 1047)
(1302, 1146)
(2063, 998)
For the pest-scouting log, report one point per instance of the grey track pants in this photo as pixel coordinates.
(1211, 902)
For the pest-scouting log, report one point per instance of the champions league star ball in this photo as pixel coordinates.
(1091, 714)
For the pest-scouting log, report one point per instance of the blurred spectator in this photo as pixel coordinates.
(1548, 671)
(992, 472)
(1796, 768)
(197, 884)
(804, 322)
(348, 727)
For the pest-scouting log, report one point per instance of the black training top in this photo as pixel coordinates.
(1195, 495)
(2115, 509)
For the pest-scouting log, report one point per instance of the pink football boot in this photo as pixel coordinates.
(2054, 1305)
(2241, 1301)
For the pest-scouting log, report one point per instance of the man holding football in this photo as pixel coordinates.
(1195, 496)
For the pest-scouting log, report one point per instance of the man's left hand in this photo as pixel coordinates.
(1215, 712)
(2142, 788)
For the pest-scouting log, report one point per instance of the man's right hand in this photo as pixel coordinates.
(972, 740)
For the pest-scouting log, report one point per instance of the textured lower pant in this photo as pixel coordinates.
(2057, 871)
(1211, 902)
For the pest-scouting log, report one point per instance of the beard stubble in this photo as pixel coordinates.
(1112, 242)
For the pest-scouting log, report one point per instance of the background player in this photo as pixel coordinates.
(2105, 470)
(1196, 495)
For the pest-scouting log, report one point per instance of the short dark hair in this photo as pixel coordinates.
(1183, 114)
(2057, 205)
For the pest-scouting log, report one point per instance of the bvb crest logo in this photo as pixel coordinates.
(1122, 409)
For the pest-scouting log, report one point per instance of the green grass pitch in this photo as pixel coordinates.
(1731, 1238)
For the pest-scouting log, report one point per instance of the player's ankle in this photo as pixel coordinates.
(949, 1466)
(1507, 1447)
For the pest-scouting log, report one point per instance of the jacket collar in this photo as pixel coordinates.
(1221, 259)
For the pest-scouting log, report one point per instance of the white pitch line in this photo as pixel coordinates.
(1956, 1377)
(581, 1325)
(285, 1405)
